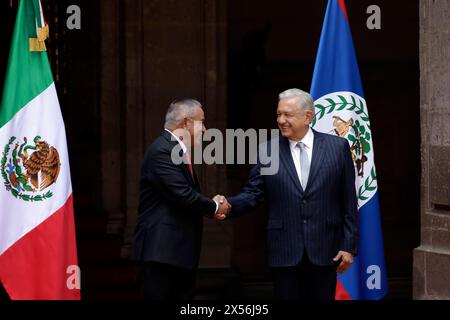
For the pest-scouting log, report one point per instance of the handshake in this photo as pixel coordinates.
(224, 207)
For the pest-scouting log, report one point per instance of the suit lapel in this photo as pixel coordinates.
(317, 157)
(184, 166)
(196, 182)
(187, 173)
(286, 156)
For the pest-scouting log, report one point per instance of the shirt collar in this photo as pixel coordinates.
(183, 146)
(308, 140)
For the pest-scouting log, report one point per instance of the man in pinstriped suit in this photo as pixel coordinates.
(312, 231)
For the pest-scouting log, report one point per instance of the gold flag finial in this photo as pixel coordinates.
(38, 43)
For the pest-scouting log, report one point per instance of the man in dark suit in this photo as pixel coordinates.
(312, 231)
(171, 207)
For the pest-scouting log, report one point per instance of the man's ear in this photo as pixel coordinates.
(309, 116)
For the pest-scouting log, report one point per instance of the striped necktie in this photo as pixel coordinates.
(304, 164)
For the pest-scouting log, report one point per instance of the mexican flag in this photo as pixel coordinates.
(38, 258)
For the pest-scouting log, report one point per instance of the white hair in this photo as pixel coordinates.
(304, 98)
(180, 109)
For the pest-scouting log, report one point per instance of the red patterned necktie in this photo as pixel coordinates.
(188, 160)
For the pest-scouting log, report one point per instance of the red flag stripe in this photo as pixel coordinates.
(344, 10)
(35, 267)
(341, 293)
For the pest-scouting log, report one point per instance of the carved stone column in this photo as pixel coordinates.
(217, 236)
(111, 102)
(432, 257)
(134, 114)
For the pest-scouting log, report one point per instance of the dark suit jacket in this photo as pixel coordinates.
(321, 219)
(171, 209)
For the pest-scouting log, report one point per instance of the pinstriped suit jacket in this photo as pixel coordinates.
(320, 220)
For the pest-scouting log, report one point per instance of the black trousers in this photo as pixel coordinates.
(159, 281)
(305, 281)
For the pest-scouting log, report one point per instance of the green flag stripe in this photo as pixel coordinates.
(28, 73)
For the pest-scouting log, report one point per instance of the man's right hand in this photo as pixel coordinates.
(224, 208)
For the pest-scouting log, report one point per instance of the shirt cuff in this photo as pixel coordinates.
(217, 206)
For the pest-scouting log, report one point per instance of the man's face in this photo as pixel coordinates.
(195, 126)
(292, 120)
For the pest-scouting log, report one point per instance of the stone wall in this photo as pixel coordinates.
(432, 257)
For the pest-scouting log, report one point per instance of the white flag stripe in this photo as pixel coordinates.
(325, 124)
(40, 117)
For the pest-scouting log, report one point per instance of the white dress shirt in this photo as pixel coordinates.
(183, 146)
(308, 141)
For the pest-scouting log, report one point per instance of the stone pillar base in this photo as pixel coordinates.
(431, 277)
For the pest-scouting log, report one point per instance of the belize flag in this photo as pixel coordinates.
(341, 110)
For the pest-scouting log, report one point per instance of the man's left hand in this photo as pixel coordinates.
(347, 260)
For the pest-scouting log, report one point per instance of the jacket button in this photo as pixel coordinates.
(305, 221)
(305, 201)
